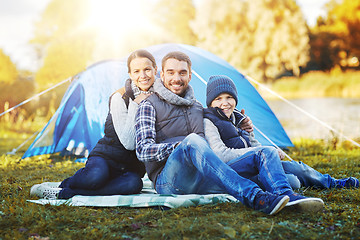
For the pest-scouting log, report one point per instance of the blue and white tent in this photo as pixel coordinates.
(78, 123)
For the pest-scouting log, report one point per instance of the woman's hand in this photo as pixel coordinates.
(141, 97)
(281, 154)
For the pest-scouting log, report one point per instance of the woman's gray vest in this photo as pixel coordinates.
(173, 124)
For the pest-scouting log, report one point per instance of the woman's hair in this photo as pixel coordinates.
(141, 53)
(180, 56)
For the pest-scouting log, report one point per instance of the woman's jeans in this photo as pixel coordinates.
(193, 168)
(98, 178)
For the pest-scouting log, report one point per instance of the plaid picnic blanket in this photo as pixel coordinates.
(147, 198)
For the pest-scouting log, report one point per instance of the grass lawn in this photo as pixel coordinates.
(20, 219)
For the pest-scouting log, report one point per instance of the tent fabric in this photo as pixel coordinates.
(78, 123)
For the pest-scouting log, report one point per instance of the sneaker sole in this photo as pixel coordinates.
(307, 205)
(281, 204)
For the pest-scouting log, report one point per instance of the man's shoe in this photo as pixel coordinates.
(305, 203)
(350, 182)
(270, 203)
(43, 191)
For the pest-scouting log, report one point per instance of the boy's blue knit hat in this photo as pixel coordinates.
(217, 85)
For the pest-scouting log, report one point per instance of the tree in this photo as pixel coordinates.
(8, 71)
(343, 25)
(260, 37)
(174, 18)
(15, 86)
(66, 41)
(65, 58)
(59, 19)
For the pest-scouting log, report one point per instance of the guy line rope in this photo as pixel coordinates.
(35, 96)
(26, 101)
(303, 111)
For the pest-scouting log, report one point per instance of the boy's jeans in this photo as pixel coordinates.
(263, 165)
(193, 168)
(308, 176)
(301, 175)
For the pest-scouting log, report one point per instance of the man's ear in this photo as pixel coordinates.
(162, 75)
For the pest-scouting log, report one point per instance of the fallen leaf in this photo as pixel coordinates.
(136, 226)
(229, 231)
(23, 229)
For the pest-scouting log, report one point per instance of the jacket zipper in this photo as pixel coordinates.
(187, 119)
(241, 138)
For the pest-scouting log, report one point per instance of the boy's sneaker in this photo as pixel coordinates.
(350, 182)
(43, 191)
(270, 203)
(305, 203)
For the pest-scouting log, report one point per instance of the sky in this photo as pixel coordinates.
(17, 18)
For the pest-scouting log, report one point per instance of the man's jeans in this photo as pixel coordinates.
(193, 168)
(98, 178)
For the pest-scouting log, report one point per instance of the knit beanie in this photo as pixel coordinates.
(217, 85)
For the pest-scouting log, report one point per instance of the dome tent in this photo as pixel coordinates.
(78, 123)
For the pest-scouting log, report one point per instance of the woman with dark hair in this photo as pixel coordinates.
(112, 167)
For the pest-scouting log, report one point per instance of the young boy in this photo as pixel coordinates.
(242, 152)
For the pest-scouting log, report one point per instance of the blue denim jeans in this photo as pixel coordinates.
(308, 176)
(264, 164)
(98, 178)
(193, 168)
(301, 175)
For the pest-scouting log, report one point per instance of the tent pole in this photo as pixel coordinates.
(303, 111)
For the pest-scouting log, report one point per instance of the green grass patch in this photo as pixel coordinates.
(20, 219)
(319, 84)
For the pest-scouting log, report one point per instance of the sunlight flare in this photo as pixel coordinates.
(116, 17)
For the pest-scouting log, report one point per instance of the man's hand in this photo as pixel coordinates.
(141, 97)
(246, 124)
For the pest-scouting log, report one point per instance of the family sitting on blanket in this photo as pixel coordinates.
(170, 142)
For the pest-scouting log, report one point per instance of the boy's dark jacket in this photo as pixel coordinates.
(229, 128)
